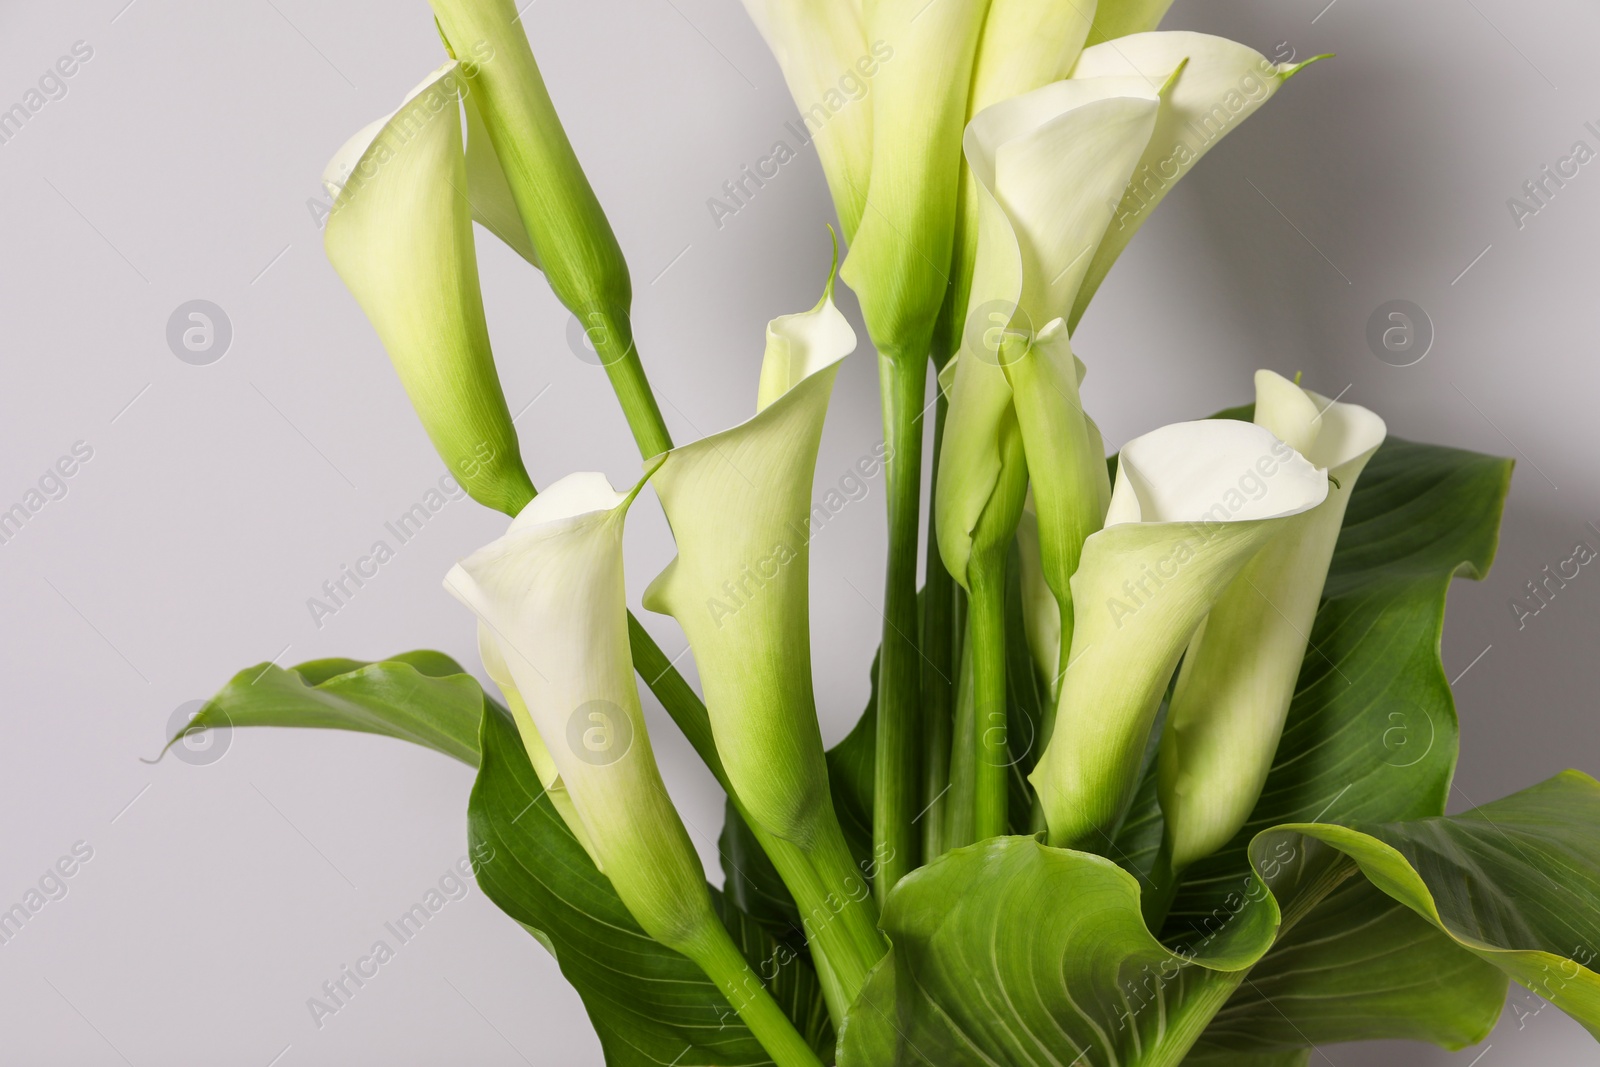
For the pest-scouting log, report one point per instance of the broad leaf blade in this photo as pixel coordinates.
(422, 697)
(1359, 966)
(649, 1005)
(1516, 882)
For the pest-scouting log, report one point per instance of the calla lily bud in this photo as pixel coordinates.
(1239, 675)
(739, 503)
(551, 592)
(822, 48)
(1048, 165)
(1119, 18)
(400, 235)
(544, 764)
(900, 257)
(1211, 86)
(1193, 503)
(570, 237)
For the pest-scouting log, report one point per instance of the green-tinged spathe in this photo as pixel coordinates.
(1218, 84)
(1048, 166)
(400, 235)
(739, 503)
(1120, 18)
(551, 594)
(1239, 674)
(1193, 502)
(900, 257)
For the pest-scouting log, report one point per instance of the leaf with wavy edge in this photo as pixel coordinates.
(422, 697)
(1359, 966)
(1516, 882)
(650, 1006)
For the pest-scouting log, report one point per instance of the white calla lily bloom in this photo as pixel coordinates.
(739, 503)
(1239, 674)
(1193, 503)
(400, 236)
(1049, 166)
(551, 594)
(1209, 86)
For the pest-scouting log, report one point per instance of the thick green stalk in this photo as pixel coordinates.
(1190, 1017)
(992, 542)
(612, 337)
(717, 955)
(986, 633)
(897, 786)
(840, 917)
(958, 800)
(939, 639)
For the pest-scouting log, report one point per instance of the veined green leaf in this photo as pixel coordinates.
(650, 1005)
(422, 697)
(1516, 882)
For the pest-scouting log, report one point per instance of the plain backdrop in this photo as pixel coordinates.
(180, 165)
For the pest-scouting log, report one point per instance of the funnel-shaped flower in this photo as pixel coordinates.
(569, 235)
(900, 258)
(400, 235)
(1218, 84)
(1048, 165)
(1233, 692)
(822, 48)
(739, 503)
(551, 594)
(1193, 503)
(1026, 44)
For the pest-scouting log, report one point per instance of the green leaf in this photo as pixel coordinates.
(1013, 952)
(649, 1005)
(1515, 882)
(422, 697)
(1359, 966)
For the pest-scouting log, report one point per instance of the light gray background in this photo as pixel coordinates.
(219, 498)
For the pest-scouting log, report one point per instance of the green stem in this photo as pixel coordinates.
(940, 640)
(847, 945)
(717, 955)
(986, 633)
(1155, 900)
(958, 802)
(897, 785)
(612, 337)
(1190, 1017)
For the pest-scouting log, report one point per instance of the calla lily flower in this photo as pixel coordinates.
(899, 259)
(739, 504)
(551, 594)
(1120, 18)
(822, 48)
(1025, 44)
(1193, 503)
(1239, 675)
(1209, 85)
(400, 235)
(1048, 165)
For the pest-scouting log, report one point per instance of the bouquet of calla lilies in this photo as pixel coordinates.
(1155, 766)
